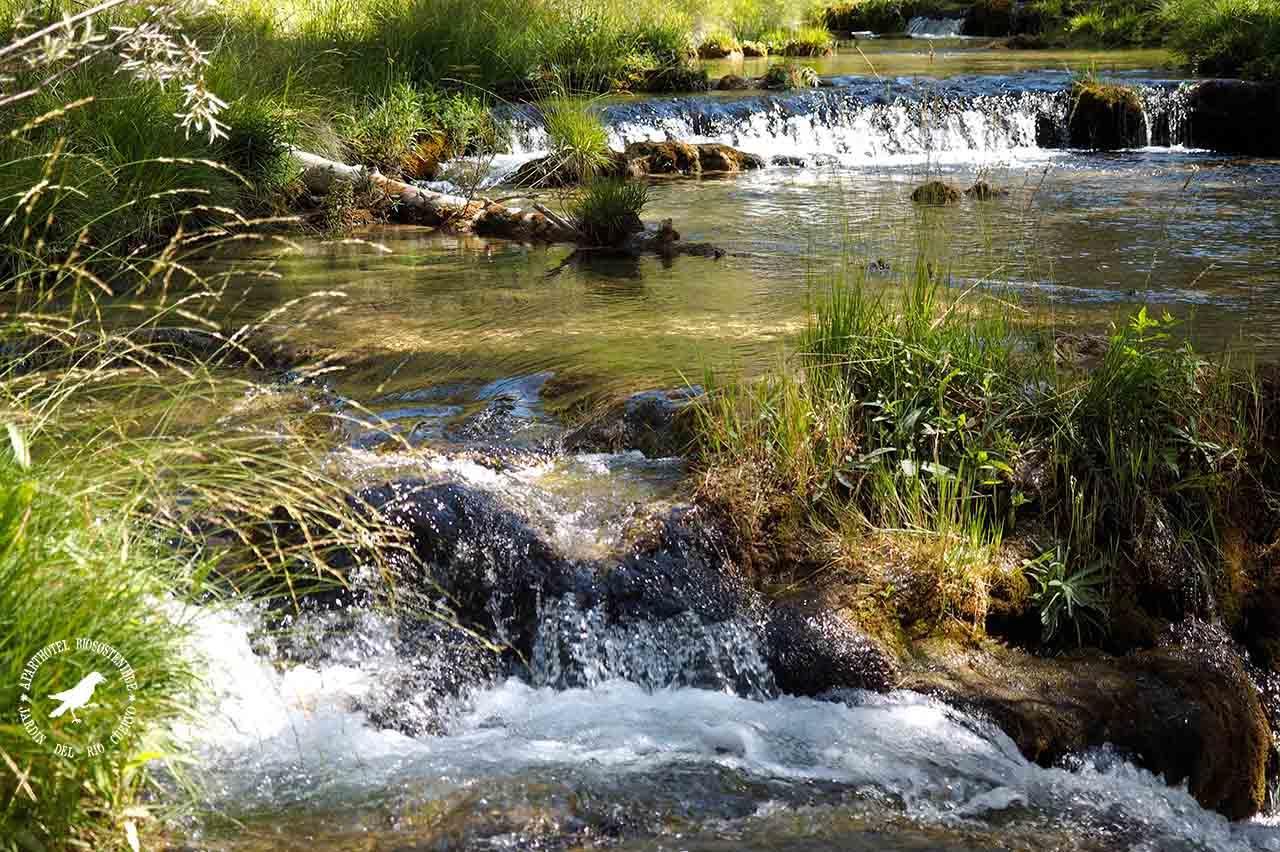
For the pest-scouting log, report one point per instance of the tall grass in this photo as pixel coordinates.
(1226, 37)
(932, 414)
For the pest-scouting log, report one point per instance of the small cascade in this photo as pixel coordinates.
(576, 648)
(935, 27)
(858, 124)
(1166, 110)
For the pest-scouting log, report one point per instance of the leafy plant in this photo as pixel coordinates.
(1075, 599)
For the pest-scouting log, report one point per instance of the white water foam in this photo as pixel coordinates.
(271, 739)
(935, 27)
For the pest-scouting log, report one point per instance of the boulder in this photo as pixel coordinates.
(812, 648)
(1105, 117)
(681, 563)
(675, 78)
(657, 423)
(1184, 710)
(460, 544)
(683, 158)
(715, 157)
(754, 49)
(1235, 116)
(935, 192)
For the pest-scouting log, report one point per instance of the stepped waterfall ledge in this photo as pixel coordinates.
(667, 425)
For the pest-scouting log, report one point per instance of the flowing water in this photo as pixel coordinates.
(328, 732)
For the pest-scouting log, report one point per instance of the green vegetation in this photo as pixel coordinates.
(576, 138)
(608, 210)
(790, 75)
(71, 567)
(1226, 37)
(936, 419)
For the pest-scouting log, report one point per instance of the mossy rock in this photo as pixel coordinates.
(1186, 710)
(936, 192)
(1105, 117)
(754, 49)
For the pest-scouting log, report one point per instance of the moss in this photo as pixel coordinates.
(936, 192)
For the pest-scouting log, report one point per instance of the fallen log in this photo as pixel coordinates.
(440, 209)
(491, 218)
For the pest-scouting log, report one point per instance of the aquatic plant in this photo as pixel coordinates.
(718, 44)
(1067, 598)
(608, 210)
(790, 75)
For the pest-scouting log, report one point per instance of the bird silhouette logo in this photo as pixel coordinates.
(77, 697)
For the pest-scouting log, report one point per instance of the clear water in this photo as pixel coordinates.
(438, 327)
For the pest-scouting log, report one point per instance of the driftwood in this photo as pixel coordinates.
(455, 212)
(492, 218)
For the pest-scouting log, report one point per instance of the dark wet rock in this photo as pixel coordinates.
(1235, 116)
(812, 648)
(657, 423)
(1169, 574)
(1105, 117)
(935, 192)
(789, 160)
(461, 544)
(983, 191)
(682, 563)
(1187, 711)
(754, 49)
(732, 82)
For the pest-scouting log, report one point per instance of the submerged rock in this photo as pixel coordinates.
(1105, 117)
(983, 191)
(811, 649)
(1185, 711)
(657, 423)
(788, 160)
(1235, 116)
(935, 192)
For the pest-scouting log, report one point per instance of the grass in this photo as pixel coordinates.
(790, 75)
(70, 569)
(576, 137)
(1226, 37)
(933, 416)
(608, 210)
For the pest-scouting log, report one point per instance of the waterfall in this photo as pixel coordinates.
(935, 27)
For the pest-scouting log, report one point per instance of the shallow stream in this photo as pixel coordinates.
(641, 754)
